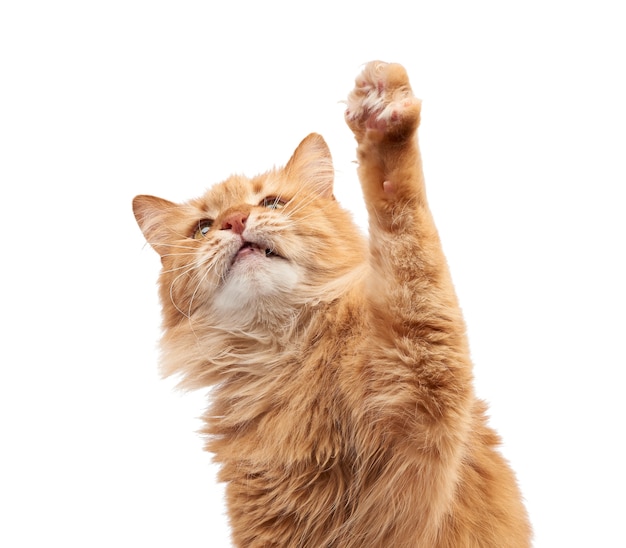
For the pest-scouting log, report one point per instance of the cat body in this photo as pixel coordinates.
(342, 411)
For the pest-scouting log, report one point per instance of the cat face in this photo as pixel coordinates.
(253, 247)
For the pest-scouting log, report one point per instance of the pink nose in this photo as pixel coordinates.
(235, 221)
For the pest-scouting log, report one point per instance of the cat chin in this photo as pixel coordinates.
(255, 283)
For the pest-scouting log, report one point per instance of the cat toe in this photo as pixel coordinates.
(382, 101)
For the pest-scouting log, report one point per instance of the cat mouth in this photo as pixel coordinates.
(251, 248)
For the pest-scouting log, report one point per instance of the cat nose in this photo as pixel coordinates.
(235, 221)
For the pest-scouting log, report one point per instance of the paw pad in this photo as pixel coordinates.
(382, 100)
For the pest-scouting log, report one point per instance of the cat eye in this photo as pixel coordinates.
(202, 229)
(272, 202)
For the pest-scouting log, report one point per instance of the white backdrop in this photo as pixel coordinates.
(523, 141)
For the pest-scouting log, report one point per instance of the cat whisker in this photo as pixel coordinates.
(163, 244)
(210, 264)
(302, 203)
(312, 214)
(197, 268)
(177, 268)
(172, 300)
(189, 253)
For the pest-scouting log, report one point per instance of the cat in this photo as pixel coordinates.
(342, 412)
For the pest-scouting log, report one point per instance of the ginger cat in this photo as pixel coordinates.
(343, 412)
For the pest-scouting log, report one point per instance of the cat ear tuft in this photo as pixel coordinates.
(312, 164)
(153, 216)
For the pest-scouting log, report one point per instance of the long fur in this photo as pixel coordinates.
(342, 410)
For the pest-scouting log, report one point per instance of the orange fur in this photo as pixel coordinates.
(343, 412)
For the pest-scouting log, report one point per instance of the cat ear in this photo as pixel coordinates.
(312, 164)
(155, 219)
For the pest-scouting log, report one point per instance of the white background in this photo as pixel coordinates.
(523, 141)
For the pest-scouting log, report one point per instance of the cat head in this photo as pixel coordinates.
(254, 250)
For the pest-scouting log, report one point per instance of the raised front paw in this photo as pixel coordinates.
(382, 103)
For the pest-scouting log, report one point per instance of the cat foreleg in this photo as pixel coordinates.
(416, 378)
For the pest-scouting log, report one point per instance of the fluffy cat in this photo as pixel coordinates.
(342, 412)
